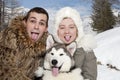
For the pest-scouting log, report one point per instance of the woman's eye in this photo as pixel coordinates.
(72, 27)
(61, 27)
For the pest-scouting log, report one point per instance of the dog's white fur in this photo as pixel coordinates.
(65, 61)
(73, 75)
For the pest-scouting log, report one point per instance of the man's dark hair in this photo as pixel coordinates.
(37, 10)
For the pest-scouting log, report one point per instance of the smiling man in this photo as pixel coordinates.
(21, 42)
(36, 24)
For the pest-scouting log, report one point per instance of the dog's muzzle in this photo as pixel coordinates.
(55, 68)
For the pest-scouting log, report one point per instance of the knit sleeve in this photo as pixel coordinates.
(90, 66)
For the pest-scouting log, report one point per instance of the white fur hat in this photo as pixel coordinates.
(68, 12)
(75, 16)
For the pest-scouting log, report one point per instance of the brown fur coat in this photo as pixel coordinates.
(18, 53)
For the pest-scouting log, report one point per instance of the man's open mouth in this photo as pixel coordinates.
(34, 35)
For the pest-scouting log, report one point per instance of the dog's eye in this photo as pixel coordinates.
(61, 54)
(52, 54)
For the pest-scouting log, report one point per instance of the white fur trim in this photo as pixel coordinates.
(88, 42)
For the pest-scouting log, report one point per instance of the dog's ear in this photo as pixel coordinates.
(50, 42)
(72, 48)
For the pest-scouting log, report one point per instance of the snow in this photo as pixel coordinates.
(108, 52)
(105, 73)
(116, 12)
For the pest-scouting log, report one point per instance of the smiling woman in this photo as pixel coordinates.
(68, 28)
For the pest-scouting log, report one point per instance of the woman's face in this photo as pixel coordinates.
(67, 31)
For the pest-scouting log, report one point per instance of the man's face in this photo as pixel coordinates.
(36, 25)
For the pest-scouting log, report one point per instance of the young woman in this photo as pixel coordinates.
(68, 28)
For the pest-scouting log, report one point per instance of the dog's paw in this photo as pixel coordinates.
(39, 72)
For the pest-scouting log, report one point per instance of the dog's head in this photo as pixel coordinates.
(59, 58)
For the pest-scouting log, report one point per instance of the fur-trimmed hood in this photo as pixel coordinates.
(85, 41)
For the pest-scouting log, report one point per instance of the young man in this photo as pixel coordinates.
(20, 43)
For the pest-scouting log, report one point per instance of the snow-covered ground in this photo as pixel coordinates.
(108, 52)
(105, 73)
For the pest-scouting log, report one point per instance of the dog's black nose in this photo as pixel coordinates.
(54, 61)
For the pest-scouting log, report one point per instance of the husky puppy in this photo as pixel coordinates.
(59, 62)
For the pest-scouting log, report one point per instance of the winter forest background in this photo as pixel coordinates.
(101, 18)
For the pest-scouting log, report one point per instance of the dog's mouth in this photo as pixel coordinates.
(56, 70)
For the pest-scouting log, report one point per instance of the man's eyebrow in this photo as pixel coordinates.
(32, 17)
(43, 20)
(40, 20)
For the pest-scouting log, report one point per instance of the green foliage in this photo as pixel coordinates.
(103, 18)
